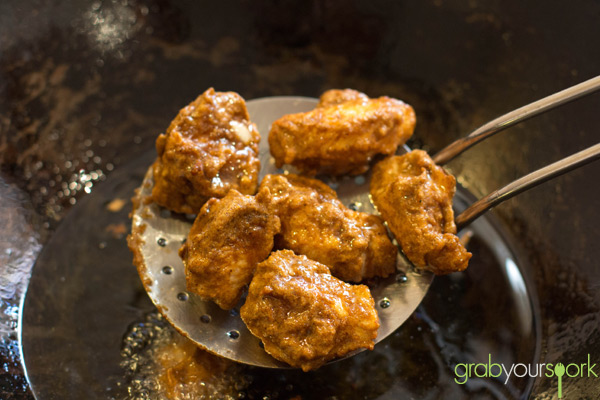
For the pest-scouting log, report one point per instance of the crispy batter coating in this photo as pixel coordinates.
(342, 134)
(305, 316)
(334, 97)
(315, 223)
(414, 196)
(229, 237)
(209, 148)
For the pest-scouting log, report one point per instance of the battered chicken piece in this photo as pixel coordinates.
(303, 315)
(229, 237)
(414, 196)
(334, 97)
(315, 223)
(342, 134)
(209, 148)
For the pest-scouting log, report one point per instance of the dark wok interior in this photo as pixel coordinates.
(85, 87)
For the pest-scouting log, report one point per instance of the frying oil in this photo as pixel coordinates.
(159, 363)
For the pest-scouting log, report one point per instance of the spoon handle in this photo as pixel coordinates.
(516, 116)
(528, 181)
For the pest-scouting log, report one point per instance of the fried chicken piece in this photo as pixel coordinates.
(315, 223)
(305, 316)
(229, 237)
(342, 134)
(334, 97)
(209, 148)
(414, 196)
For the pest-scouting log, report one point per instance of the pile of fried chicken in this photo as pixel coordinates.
(289, 240)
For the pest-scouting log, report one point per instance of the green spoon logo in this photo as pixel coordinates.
(559, 371)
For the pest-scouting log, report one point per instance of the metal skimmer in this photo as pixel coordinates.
(161, 233)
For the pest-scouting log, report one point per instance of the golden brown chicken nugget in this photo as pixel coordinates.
(229, 237)
(342, 134)
(414, 196)
(209, 148)
(305, 316)
(315, 223)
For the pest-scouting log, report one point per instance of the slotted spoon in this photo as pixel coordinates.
(158, 234)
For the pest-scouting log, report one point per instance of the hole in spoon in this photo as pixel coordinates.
(233, 335)
(205, 319)
(385, 303)
(355, 206)
(183, 296)
(360, 180)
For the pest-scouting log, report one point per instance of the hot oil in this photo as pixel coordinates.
(161, 364)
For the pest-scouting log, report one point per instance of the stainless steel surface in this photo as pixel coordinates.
(527, 182)
(516, 116)
(223, 332)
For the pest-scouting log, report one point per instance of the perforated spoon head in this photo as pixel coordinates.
(157, 235)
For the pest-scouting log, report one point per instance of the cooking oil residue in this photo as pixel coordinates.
(159, 363)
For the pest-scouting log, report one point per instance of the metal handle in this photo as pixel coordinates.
(527, 182)
(516, 116)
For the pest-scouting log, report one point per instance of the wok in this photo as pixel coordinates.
(85, 87)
